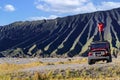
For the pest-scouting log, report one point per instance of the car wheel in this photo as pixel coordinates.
(110, 59)
(90, 62)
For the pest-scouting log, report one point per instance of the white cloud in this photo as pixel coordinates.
(84, 9)
(73, 6)
(108, 5)
(9, 8)
(63, 6)
(52, 16)
(42, 17)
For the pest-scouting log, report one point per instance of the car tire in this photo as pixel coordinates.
(90, 62)
(110, 59)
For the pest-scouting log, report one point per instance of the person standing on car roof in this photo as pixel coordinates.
(100, 29)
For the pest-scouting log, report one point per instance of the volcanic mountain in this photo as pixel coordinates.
(67, 36)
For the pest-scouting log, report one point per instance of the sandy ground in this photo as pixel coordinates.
(58, 66)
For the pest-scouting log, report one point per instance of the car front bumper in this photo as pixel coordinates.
(98, 58)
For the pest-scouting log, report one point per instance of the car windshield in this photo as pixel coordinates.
(99, 45)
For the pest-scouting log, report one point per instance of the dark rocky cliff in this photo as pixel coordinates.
(67, 36)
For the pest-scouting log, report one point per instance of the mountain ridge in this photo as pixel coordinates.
(67, 36)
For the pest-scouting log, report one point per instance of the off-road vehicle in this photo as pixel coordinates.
(99, 50)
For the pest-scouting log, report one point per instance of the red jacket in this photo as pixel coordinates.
(100, 27)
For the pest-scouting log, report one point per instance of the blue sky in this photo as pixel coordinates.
(22, 10)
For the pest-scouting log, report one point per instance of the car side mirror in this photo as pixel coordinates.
(89, 47)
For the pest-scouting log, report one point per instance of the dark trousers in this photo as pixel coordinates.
(101, 35)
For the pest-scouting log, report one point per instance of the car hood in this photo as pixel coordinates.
(98, 49)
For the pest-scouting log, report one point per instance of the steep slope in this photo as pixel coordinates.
(68, 36)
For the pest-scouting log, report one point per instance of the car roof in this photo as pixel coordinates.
(99, 42)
